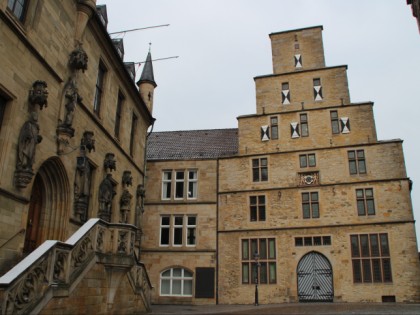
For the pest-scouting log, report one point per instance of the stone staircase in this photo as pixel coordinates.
(94, 271)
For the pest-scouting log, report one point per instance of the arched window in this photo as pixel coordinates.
(176, 282)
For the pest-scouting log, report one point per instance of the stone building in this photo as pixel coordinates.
(311, 206)
(73, 128)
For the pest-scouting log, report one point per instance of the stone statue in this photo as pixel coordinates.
(29, 137)
(125, 205)
(106, 194)
(82, 188)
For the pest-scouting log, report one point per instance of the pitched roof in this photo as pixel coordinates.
(192, 144)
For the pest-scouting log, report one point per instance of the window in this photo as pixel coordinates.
(317, 90)
(18, 8)
(133, 133)
(165, 225)
(176, 282)
(313, 241)
(304, 131)
(257, 208)
(365, 202)
(3, 102)
(99, 89)
(274, 127)
(259, 170)
(370, 258)
(357, 164)
(335, 126)
(306, 160)
(285, 93)
(265, 273)
(178, 230)
(310, 205)
(192, 185)
(182, 181)
(118, 115)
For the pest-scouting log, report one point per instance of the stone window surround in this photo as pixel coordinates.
(174, 185)
(178, 230)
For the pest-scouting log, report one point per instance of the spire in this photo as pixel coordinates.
(147, 74)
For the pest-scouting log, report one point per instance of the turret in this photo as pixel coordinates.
(147, 83)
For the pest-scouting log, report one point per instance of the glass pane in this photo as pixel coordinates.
(317, 82)
(261, 213)
(359, 193)
(192, 220)
(180, 175)
(303, 162)
(361, 207)
(364, 243)
(255, 163)
(178, 236)
(165, 220)
(326, 240)
(357, 272)
(261, 200)
(272, 271)
(245, 249)
(384, 245)
(386, 266)
(285, 86)
(245, 273)
(253, 200)
(187, 274)
(369, 192)
(187, 287)
(374, 245)
(178, 220)
(306, 211)
(351, 155)
(354, 239)
(192, 190)
(370, 206)
(263, 249)
(298, 241)
(308, 241)
(165, 287)
(264, 162)
(305, 130)
(315, 210)
(192, 174)
(191, 236)
(164, 236)
(176, 287)
(253, 213)
(360, 154)
(305, 196)
(303, 118)
(314, 196)
(312, 161)
(362, 167)
(271, 248)
(167, 187)
(317, 240)
(274, 132)
(376, 269)
(179, 190)
(166, 273)
(177, 272)
(274, 120)
(167, 175)
(254, 248)
(263, 273)
(352, 167)
(256, 174)
(334, 114)
(264, 174)
(335, 127)
(367, 274)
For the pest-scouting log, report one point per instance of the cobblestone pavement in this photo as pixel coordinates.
(293, 309)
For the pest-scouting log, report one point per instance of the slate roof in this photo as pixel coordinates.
(192, 144)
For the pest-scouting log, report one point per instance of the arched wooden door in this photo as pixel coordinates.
(315, 278)
(34, 217)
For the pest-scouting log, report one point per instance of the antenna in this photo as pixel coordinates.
(138, 29)
(140, 62)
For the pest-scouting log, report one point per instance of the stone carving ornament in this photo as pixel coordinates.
(125, 205)
(87, 141)
(78, 59)
(82, 188)
(127, 179)
(110, 162)
(106, 194)
(38, 95)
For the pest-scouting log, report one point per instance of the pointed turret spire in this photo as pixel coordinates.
(147, 83)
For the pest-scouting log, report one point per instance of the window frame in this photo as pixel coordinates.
(365, 202)
(3, 105)
(258, 168)
(307, 159)
(172, 278)
(134, 123)
(192, 183)
(335, 122)
(257, 208)
(177, 188)
(274, 126)
(309, 204)
(357, 162)
(304, 125)
(178, 234)
(118, 115)
(165, 227)
(12, 7)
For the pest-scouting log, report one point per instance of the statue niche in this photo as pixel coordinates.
(106, 194)
(29, 137)
(82, 183)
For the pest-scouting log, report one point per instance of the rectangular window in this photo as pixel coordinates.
(18, 8)
(259, 170)
(285, 93)
(317, 90)
(118, 115)
(177, 230)
(179, 184)
(3, 102)
(191, 228)
(99, 89)
(370, 258)
(164, 230)
(192, 184)
(257, 208)
(357, 163)
(133, 133)
(335, 124)
(274, 127)
(304, 130)
(306, 160)
(310, 205)
(365, 202)
(166, 184)
(265, 271)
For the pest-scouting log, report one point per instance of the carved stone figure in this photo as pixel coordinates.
(140, 194)
(110, 162)
(39, 94)
(29, 137)
(127, 179)
(87, 141)
(78, 59)
(125, 205)
(106, 194)
(82, 188)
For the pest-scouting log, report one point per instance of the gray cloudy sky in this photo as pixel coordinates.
(223, 44)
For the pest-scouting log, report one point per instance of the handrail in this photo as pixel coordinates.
(16, 234)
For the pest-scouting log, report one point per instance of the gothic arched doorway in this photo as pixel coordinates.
(315, 278)
(49, 210)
